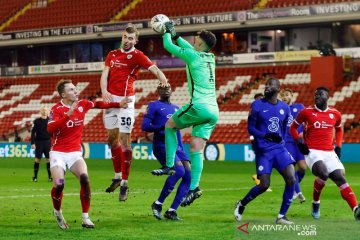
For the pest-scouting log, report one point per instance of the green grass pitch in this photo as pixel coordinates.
(26, 208)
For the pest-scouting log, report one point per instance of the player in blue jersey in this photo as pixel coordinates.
(286, 96)
(254, 177)
(158, 113)
(267, 122)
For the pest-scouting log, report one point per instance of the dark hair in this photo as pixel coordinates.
(258, 95)
(130, 28)
(60, 86)
(324, 89)
(208, 37)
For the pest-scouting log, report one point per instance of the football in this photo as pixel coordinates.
(158, 21)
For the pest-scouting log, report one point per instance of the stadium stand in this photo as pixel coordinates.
(67, 13)
(20, 99)
(10, 8)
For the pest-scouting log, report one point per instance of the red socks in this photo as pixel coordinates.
(117, 157)
(126, 163)
(348, 195)
(56, 197)
(85, 195)
(318, 186)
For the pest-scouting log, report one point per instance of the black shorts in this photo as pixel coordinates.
(42, 147)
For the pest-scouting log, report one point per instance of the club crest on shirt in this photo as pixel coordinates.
(129, 56)
(80, 109)
(281, 112)
(295, 110)
(331, 115)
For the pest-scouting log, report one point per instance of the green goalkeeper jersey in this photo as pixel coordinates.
(200, 69)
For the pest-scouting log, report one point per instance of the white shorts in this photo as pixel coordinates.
(121, 118)
(63, 159)
(329, 158)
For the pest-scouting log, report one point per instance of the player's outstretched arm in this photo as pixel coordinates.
(169, 28)
(185, 54)
(103, 105)
(159, 74)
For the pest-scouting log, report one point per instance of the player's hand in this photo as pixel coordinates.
(169, 28)
(124, 103)
(73, 107)
(338, 151)
(304, 149)
(33, 146)
(107, 97)
(273, 137)
(164, 84)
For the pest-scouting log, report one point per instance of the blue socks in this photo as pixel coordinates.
(251, 195)
(287, 198)
(170, 183)
(182, 190)
(299, 175)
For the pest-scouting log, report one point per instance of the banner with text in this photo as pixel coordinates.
(212, 151)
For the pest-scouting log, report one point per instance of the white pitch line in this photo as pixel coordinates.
(142, 191)
(136, 191)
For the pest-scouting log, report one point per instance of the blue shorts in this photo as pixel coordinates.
(160, 154)
(294, 151)
(278, 158)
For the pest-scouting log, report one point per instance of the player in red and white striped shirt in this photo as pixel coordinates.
(318, 148)
(117, 81)
(66, 123)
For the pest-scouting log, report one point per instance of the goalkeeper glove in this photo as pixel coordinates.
(273, 137)
(304, 149)
(338, 151)
(169, 28)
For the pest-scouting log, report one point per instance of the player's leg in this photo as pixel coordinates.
(183, 187)
(299, 175)
(156, 207)
(46, 152)
(315, 162)
(79, 169)
(58, 169)
(196, 157)
(252, 194)
(116, 157)
(204, 121)
(125, 140)
(167, 189)
(126, 123)
(264, 163)
(337, 174)
(171, 144)
(285, 165)
(111, 123)
(182, 118)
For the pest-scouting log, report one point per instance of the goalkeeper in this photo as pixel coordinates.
(201, 113)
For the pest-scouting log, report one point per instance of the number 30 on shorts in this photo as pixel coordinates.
(125, 121)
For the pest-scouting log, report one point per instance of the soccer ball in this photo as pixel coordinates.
(158, 21)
